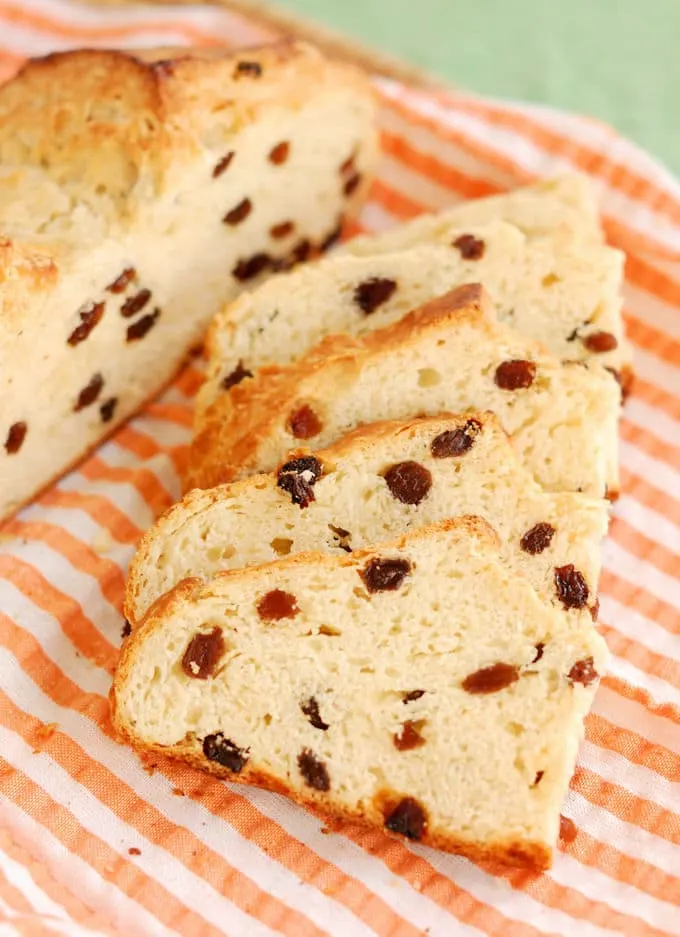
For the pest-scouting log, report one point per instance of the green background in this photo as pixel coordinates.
(618, 60)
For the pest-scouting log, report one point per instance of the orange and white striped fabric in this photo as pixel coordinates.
(93, 842)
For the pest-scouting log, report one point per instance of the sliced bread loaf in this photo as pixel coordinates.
(419, 687)
(448, 356)
(375, 484)
(565, 294)
(138, 194)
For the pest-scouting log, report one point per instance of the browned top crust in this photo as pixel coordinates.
(141, 114)
(236, 422)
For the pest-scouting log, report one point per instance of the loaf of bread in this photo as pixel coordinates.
(139, 194)
(418, 687)
(563, 293)
(376, 483)
(447, 356)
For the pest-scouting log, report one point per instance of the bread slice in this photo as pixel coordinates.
(560, 292)
(419, 687)
(564, 206)
(447, 356)
(352, 498)
(139, 194)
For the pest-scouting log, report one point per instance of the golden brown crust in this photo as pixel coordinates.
(221, 445)
(358, 440)
(144, 111)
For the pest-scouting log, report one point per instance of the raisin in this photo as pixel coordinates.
(203, 653)
(307, 463)
(121, 283)
(599, 342)
(583, 672)
(311, 710)
(385, 575)
(239, 212)
(538, 778)
(540, 647)
(342, 537)
(513, 375)
(409, 737)
(491, 679)
(301, 251)
(134, 304)
(538, 538)
(281, 230)
(303, 423)
(107, 409)
(313, 770)
(277, 604)
(89, 393)
(240, 373)
(126, 629)
(222, 164)
(407, 818)
(331, 238)
(568, 830)
(348, 165)
(352, 183)
(225, 752)
(595, 609)
(90, 315)
(138, 329)
(279, 154)
(455, 442)
(251, 69)
(298, 478)
(15, 437)
(470, 247)
(248, 269)
(412, 695)
(373, 293)
(409, 482)
(572, 589)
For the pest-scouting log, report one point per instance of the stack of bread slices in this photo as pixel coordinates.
(378, 595)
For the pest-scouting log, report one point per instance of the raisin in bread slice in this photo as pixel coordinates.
(376, 483)
(420, 687)
(565, 295)
(565, 206)
(447, 356)
(136, 197)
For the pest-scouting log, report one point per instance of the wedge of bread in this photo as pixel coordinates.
(447, 356)
(350, 496)
(563, 293)
(419, 687)
(564, 206)
(138, 193)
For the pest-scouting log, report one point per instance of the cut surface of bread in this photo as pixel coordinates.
(447, 356)
(419, 687)
(136, 197)
(379, 482)
(563, 293)
(563, 206)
